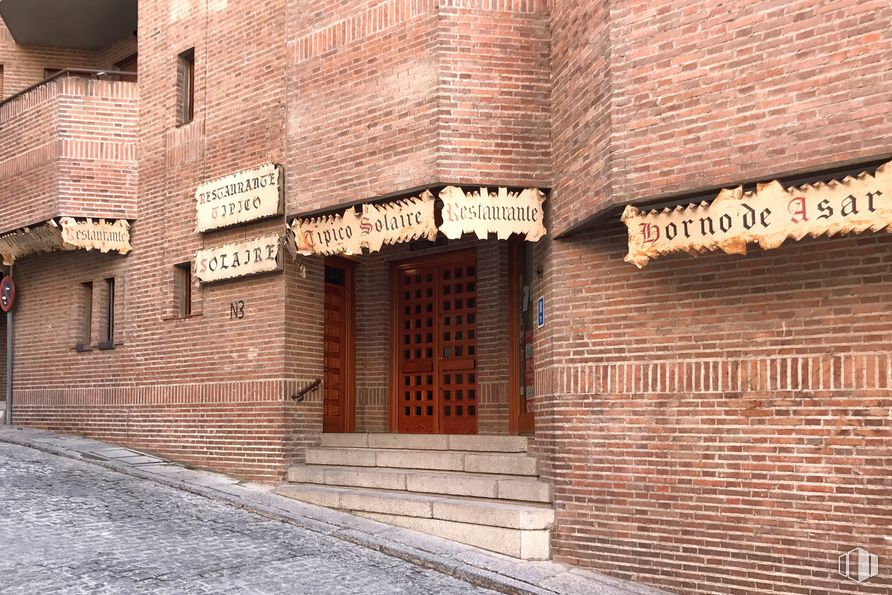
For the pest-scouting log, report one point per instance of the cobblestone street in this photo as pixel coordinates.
(71, 527)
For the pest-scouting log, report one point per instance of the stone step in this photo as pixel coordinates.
(442, 460)
(475, 443)
(503, 487)
(522, 544)
(518, 530)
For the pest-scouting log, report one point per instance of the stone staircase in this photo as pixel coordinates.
(478, 490)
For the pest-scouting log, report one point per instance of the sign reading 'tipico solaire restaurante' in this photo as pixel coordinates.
(481, 212)
(768, 217)
(240, 197)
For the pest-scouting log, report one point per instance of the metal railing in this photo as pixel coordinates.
(302, 393)
(96, 75)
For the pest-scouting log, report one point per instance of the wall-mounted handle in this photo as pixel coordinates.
(300, 395)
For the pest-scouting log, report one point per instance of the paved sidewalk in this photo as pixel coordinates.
(476, 566)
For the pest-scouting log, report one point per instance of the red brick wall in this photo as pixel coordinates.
(208, 389)
(494, 125)
(717, 424)
(28, 156)
(387, 96)
(673, 97)
(69, 148)
(721, 424)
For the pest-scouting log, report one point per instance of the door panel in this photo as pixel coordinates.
(417, 298)
(458, 348)
(337, 350)
(436, 354)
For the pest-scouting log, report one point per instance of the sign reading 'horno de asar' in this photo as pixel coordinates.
(240, 197)
(768, 217)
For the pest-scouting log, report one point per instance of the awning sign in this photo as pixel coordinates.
(89, 234)
(251, 257)
(240, 197)
(68, 234)
(348, 233)
(768, 217)
(483, 212)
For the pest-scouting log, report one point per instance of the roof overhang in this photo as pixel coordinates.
(78, 24)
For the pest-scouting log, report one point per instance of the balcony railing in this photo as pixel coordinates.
(68, 148)
(83, 73)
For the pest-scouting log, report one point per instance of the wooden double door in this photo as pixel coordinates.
(435, 345)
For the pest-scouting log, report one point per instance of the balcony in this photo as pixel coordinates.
(68, 148)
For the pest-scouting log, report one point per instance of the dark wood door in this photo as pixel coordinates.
(337, 349)
(437, 345)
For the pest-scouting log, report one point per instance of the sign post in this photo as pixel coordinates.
(7, 300)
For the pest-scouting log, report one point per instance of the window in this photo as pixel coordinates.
(128, 64)
(186, 87)
(86, 317)
(48, 72)
(2, 96)
(108, 334)
(183, 289)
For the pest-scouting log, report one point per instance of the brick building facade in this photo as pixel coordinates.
(717, 424)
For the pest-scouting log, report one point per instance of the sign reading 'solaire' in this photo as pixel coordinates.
(240, 197)
(768, 216)
(249, 257)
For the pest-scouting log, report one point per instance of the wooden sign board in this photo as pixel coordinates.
(483, 212)
(349, 233)
(46, 237)
(244, 196)
(67, 234)
(768, 217)
(250, 257)
(99, 235)
(328, 235)
(503, 213)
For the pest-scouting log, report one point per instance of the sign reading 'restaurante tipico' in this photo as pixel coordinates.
(768, 216)
(240, 197)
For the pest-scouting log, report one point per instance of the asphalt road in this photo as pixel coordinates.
(71, 527)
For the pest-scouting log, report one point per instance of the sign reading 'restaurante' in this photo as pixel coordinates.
(768, 216)
(240, 197)
(483, 212)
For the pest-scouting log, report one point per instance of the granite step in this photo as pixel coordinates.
(442, 460)
(510, 528)
(479, 485)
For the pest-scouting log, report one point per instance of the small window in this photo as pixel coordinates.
(86, 317)
(183, 289)
(128, 64)
(186, 87)
(108, 334)
(48, 72)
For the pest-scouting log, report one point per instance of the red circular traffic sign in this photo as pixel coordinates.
(7, 294)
